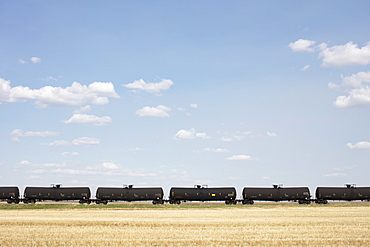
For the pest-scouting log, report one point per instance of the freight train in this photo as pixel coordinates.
(10, 194)
(177, 195)
(57, 193)
(129, 194)
(202, 193)
(277, 193)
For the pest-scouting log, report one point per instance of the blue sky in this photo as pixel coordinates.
(177, 93)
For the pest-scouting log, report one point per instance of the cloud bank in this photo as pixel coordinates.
(337, 56)
(358, 92)
(88, 119)
(96, 93)
(344, 55)
(359, 145)
(302, 45)
(190, 134)
(159, 111)
(241, 157)
(150, 87)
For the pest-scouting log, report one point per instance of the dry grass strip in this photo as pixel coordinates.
(277, 226)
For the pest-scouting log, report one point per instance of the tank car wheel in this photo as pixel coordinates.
(178, 202)
(105, 202)
(251, 202)
(227, 202)
(154, 202)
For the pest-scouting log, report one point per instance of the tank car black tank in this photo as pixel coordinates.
(129, 193)
(201, 193)
(9, 194)
(276, 193)
(57, 193)
(348, 193)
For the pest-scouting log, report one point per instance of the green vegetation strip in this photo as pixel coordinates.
(166, 206)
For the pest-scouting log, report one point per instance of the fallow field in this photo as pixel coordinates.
(191, 225)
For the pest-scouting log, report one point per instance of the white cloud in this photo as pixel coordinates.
(202, 135)
(335, 56)
(357, 97)
(335, 175)
(24, 163)
(110, 165)
(359, 145)
(22, 61)
(241, 157)
(96, 93)
(67, 154)
(194, 105)
(150, 87)
(356, 80)
(103, 88)
(85, 141)
(302, 45)
(159, 111)
(305, 68)
(344, 55)
(35, 59)
(21, 133)
(89, 119)
(190, 134)
(215, 150)
(56, 143)
(271, 134)
(359, 92)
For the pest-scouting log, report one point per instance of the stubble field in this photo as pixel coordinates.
(190, 226)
